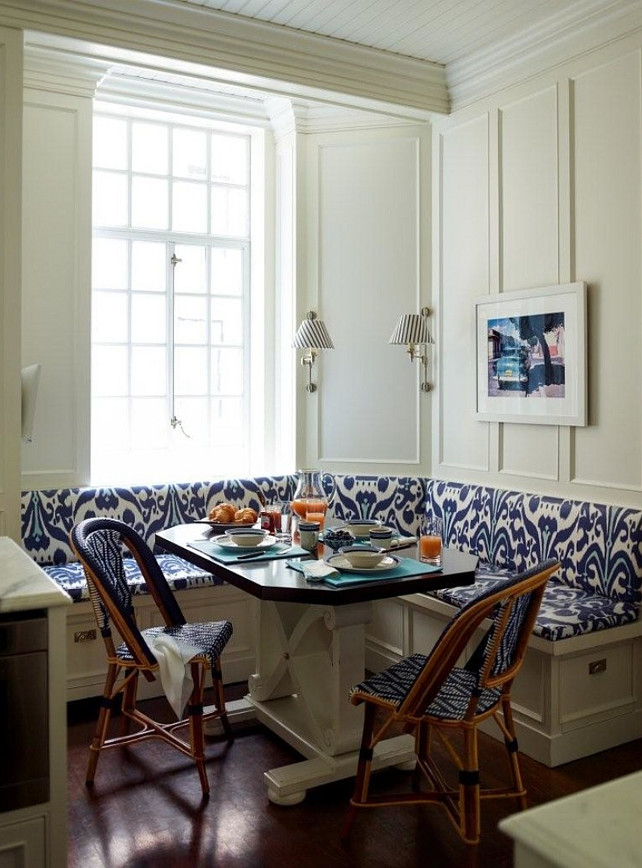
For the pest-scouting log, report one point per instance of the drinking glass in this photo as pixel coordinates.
(430, 537)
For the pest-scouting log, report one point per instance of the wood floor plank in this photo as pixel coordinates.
(145, 809)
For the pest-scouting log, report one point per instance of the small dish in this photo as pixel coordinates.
(247, 537)
(339, 562)
(225, 542)
(362, 557)
(361, 527)
(222, 526)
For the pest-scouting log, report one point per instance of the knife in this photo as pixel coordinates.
(263, 554)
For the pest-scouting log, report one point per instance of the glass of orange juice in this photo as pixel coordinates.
(430, 536)
(315, 510)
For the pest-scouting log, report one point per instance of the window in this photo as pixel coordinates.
(170, 299)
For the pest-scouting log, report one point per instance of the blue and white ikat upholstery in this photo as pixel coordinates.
(396, 500)
(598, 546)
(48, 516)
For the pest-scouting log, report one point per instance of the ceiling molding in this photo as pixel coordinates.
(47, 70)
(576, 29)
(250, 52)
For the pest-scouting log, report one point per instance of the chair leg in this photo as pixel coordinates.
(513, 757)
(469, 789)
(102, 724)
(219, 699)
(197, 738)
(129, 703)
(362, 781)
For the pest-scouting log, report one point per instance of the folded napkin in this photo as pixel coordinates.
(314, 571)
(231, 556)
(172, 656)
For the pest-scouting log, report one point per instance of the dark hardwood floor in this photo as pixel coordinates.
(145, 809)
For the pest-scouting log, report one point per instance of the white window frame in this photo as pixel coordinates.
(258, 291)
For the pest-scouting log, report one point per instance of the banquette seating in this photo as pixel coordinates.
(580, 688)
(49, 515)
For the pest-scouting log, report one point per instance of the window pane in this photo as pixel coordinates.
(110, 423)
(227, 321)
(194, 416)
(148, 318)
(190, 371)
(189, 273)
(110, 143)
(190, 154)
(109, 264)
(189, 207)
(190, 320)
(109, 371)
(109, 317)
(227, 423)
(227, 271)
(149, 148)
(230, 159)
(150, 423)
(148, 371)
(229, 211)
(109, 201)
(149, 203)
(227, 372)
(149, 266)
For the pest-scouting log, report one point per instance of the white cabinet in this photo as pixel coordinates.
(22, 845)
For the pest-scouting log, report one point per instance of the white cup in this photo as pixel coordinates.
(381, 537)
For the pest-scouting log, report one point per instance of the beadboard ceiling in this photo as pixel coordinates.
(441, 31)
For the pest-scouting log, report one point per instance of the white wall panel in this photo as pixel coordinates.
(56, 284)
(464, 252)
(368, 275)
(608, 234)
(529, 249)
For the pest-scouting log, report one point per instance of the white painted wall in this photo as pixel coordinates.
(368, 262)
(56, 283)
(537, 185)
(10, 261)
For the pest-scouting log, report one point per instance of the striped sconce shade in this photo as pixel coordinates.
(312, 333)
(412, 328)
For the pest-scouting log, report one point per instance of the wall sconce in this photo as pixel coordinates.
(412, 330)
(312, 335)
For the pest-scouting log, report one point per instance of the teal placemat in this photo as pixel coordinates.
(405, 568)
(278, 550)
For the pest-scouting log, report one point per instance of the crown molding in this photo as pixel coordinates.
(75, 75)
(246, 51)
(574, 30)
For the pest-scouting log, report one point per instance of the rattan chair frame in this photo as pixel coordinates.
(462, 801)
(123, 675)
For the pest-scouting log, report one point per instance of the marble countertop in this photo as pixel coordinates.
(595, 828)
(23, 585)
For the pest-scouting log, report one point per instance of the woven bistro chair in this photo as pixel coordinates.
(99, 545)
(432, 695)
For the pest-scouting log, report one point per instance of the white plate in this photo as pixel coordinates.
(340, 562)
(226, 543)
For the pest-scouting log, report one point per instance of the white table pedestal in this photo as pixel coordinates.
(308, 658)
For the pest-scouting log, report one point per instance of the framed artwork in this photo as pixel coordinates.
(531, 356)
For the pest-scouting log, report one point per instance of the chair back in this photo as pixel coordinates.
(496, 660)
(99, 544)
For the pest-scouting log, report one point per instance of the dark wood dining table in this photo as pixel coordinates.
(310, 650)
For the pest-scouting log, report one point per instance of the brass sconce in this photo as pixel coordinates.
(312, 335)
(412, 331)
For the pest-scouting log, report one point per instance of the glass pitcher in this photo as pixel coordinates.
(310, 501)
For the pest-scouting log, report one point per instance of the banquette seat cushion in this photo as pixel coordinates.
(48, 516)
(598, 546)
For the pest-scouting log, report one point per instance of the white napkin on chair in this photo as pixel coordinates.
(173, 655)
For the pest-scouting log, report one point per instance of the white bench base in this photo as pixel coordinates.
(86, 665)
(572, 698)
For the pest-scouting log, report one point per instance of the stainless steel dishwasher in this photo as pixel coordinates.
(24, 712)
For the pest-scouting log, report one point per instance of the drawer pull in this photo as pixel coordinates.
(597, 666)
(85, 636)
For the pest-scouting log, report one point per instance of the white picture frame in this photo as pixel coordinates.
(531, 356)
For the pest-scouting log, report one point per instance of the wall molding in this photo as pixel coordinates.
(248, 52)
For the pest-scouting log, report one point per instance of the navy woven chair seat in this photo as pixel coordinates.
(432, 694)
